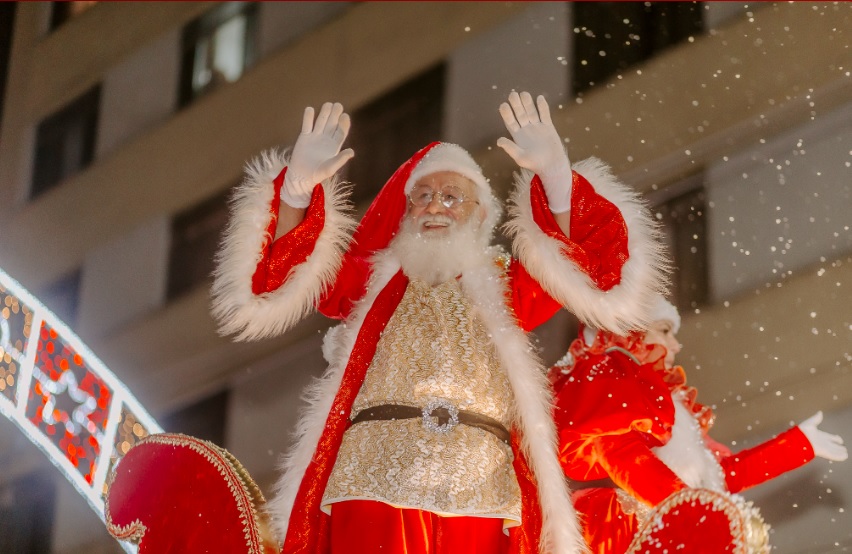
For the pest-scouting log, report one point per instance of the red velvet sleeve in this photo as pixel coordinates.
(631, 464)
(598, 233)
(280, 257)
(609, 412)
(597, 245)
(788, 451)
(531, 304)
(349, 287)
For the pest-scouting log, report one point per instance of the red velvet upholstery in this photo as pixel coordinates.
(178, 494)
(724, 527)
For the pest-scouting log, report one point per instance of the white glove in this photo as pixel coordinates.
(537, 147)
(316, 155)
(825, 445)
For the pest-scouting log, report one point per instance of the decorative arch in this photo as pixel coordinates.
(62, 397)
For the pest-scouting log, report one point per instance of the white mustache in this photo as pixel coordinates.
(440, 219)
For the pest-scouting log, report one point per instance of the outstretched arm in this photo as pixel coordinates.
(283, 246)
(789, 450)
(636, 469)
(767, 460)
(586, 238)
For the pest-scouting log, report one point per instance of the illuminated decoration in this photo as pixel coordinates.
(63, 397)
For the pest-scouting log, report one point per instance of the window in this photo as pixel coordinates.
(26, 514)
(392, 128)
(195, 238)
(64, 11)
(609, 37)
(62, 297)
(7, 26)
(684, 219)
(65, 142)
(217, 49)
(205, 420)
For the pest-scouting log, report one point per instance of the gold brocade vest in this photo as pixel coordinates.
(434, 347)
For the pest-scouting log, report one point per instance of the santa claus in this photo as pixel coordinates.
(431, 430)
(632, 435)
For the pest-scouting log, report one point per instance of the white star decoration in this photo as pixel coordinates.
(86, 403)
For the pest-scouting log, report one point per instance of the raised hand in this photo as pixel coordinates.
(536, 146)
(316, 155)
(825, 445)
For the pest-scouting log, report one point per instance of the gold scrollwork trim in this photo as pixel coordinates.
(249, 498)
(747, 528)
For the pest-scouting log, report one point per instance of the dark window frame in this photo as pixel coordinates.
(65, 142)
(206, 419)
(195, 237)
(682, 211)
(650, 28)
(202, 28)
(27, 519)
(7, 31)
(62, 296)
(63, 12)
(392, 127)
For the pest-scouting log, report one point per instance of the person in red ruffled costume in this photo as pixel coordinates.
(431, 431)
(632, 433)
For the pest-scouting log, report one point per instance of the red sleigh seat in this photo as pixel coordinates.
(176, 494)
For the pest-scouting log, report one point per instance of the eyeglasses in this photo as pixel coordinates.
(449, 197)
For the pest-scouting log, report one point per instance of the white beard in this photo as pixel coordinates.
(443, 256)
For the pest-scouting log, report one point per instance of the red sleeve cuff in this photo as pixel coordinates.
(786, 452)
(598, 233)
(280, 257)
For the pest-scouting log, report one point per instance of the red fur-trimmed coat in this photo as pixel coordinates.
(606, 272)
(615, 411)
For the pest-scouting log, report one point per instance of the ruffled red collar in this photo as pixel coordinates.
(653, 355)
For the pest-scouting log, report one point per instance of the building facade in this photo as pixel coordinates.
(125, 125)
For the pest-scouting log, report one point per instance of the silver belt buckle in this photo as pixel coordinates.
(432, 424)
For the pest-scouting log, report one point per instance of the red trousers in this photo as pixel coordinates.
(367, 527)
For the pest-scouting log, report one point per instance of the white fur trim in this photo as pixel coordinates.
(589, 335)
(237, 309)
(319, 397)
(663, 310)
(448, 157)
(626, 306)
(560, 533)
(452, 157)
(486, 288)
(687, 455)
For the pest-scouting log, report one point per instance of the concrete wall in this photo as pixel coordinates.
(809, 509)
(281, 23)
(124, 279)
(718, 14)
(139, 92)
(76, 528)
(530, 52)
(266, 399)
(780, 207)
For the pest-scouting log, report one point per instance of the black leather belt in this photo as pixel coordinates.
(447, 418)
(605, 483)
